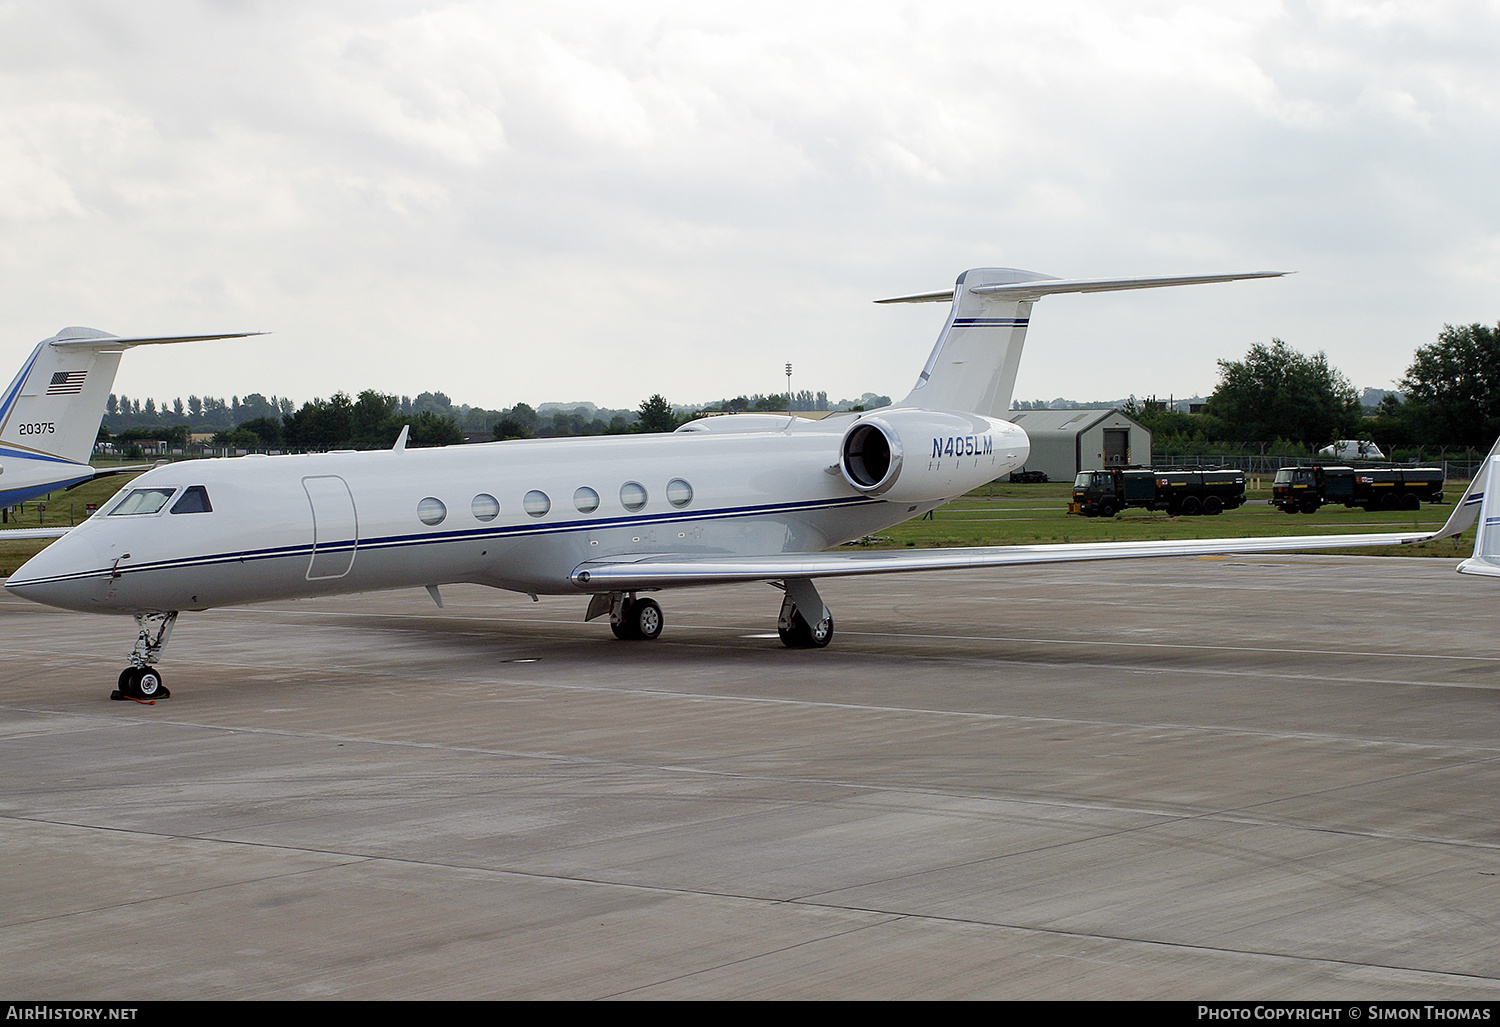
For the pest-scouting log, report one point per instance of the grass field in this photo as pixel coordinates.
(996, 515)
(1004, 514)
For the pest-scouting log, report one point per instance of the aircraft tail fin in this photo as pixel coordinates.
(52, 410)
(973, 366)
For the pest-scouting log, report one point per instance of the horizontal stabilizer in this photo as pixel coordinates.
(102, 340)
(1042, 286)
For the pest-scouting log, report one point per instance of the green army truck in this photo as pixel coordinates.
(1178, 492)
(1305, 489)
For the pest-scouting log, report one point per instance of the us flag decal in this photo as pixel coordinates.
(65, 383)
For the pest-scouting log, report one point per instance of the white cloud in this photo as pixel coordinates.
(600, 200)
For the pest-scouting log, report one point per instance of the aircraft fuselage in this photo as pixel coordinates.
(518, 515)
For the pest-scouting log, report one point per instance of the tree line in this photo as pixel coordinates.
(373, 420)
(1286, 402)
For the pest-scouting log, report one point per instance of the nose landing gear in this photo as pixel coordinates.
(141, 680)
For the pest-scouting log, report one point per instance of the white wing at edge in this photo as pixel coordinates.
(1486, 558)
(11, 534)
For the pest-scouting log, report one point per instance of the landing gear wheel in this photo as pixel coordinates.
(639, 619)
(648, 619)
(140, 683)
(801, 635)
(148, 684)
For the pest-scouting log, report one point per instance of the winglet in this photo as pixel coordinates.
(1472, 501)
(1483, 494)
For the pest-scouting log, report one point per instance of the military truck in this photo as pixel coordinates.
(1185, 492)
(1305, 489)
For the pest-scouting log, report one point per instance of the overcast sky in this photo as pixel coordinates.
(597, 201)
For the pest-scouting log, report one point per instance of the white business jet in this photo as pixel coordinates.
(755, 497)
(50, 414)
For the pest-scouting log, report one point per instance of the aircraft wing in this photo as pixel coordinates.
(110, 472)
(644, 572)
(8, 534)
(628, 573)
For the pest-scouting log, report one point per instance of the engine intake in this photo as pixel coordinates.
(870, 456)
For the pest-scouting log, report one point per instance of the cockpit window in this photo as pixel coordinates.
(142, 501)
(194, 500)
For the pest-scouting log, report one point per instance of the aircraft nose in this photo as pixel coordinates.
(69, 573)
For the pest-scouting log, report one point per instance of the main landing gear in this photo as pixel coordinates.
(797, 633)
(636, 619)
(141, 680)
(804, 622)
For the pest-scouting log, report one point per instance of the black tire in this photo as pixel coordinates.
(1411, 501)
(802, 635)
(1106, 509)
(1390, 501)
(1213, 505)
(1310, 506)
(1191, 505)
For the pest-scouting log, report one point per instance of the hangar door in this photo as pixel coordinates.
(1116, 447)
(335, 526)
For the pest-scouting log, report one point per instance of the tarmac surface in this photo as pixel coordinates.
(1239, 778)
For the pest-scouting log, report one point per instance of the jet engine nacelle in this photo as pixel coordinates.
(917, 456)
